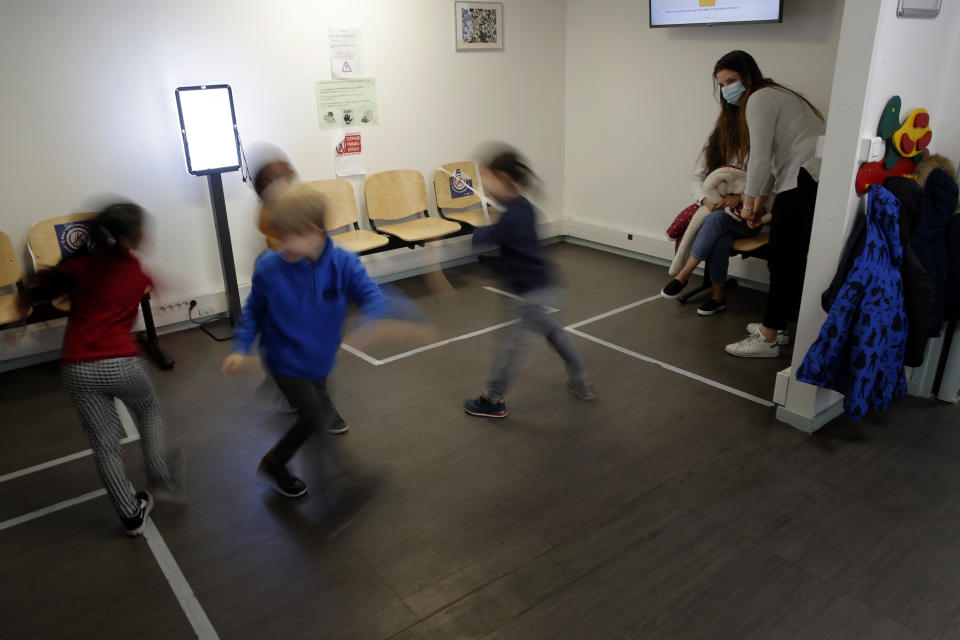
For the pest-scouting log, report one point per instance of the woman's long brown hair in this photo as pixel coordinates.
(730, 139)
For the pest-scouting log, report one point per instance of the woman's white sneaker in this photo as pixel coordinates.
(754, 346)
(783, 337)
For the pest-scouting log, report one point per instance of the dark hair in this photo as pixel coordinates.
(511, 163)
(108, 231)
(269, 172)
(730, 135)
(116, 223)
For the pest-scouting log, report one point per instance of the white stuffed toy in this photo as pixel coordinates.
(718, 183)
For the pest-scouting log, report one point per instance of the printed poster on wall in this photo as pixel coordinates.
(346, 56)
(348, 154)
(347, 103)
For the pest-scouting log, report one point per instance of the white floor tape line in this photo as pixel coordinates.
(361, 355)
(58, 461)
(406, 354)
(516, 297)
(613, 312)
(129, 427)
(178, 583)
(39, 513)
(670, 367)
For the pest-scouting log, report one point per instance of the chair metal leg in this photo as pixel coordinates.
(151, 343)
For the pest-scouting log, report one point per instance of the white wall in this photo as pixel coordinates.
(640, 103)
(88, 105)
(880, 56)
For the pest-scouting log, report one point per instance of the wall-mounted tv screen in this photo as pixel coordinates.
(687, 13)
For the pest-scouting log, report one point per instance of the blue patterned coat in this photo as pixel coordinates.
(859, 351)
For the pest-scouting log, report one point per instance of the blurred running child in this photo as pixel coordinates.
(98, 358)
(274, 174)
(297, 305)
(503, 177)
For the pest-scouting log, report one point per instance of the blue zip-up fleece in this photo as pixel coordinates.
(298, 310)
(516, 233)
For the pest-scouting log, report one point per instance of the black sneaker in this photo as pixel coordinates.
(673, 289)
(339, 426)
(480, 406)
(711, 306)
(285, 483)
(134, 526)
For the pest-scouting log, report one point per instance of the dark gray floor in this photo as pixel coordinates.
(667, 508)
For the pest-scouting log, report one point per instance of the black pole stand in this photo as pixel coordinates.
(225, 329)
(151, 343)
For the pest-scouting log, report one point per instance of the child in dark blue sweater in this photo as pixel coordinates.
(297, 305)
(527, 273)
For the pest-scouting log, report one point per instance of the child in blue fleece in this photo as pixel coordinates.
(297, 305)
(529, 276)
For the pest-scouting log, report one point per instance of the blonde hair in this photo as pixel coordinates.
(300, 209)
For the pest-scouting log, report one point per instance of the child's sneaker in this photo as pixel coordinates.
(754, 346)
(339, 426)
(134, 526)
(481, 406)
(583, 389)
(711, 306)
(783, 337)
(280, 478)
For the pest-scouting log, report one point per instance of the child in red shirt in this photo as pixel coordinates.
(98, 358)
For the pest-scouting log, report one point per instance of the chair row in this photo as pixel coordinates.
(398, 211)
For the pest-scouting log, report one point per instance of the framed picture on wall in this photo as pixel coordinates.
(479, 25)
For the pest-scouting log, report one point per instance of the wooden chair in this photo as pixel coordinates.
(342, 214)
(44, 242)
(755, 247)
(394, 195)
(460, 205)
(10, 275)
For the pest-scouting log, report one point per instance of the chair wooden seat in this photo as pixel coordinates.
(359, 240)
(421, 229)
(745, 245)
(474, 217)
(9, 308)
(342, 214)
(400, 194)
(10, 274)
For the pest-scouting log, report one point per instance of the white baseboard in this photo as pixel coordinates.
(807, 423)
(660, 248)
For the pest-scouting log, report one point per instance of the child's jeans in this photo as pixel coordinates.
(316, 412)
(536, 310)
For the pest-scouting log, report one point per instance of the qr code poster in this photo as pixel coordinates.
(73, 237)
(479, 25)
(461, 185)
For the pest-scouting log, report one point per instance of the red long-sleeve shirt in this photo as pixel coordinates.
(106, 289)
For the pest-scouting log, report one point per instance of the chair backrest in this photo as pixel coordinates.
(457, 191)
(52, 240)
(341, 204)
(9, 267)
(393, 195)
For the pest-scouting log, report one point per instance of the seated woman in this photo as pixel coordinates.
(726, 146)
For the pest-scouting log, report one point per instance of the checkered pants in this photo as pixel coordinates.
(93, 387)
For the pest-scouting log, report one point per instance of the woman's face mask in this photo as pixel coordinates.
(733, 92)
